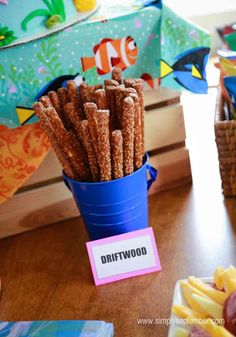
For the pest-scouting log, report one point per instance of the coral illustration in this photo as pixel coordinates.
(55, 13)
(48, 56)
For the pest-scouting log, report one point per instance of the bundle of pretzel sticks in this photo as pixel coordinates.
(97, 132)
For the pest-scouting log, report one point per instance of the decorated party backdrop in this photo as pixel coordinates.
(145, 38)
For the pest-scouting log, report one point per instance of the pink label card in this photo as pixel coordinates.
(122, 256)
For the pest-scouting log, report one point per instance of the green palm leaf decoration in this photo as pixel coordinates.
(55, 13)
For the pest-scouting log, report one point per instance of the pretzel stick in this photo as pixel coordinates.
(85, 93)
(56, 103)
(128, 135)
(138, 86)
(104, 145)
(117, 154)
(109, 83)
(73, 93)
(111, 102)
(100, 99)
(74, 153)
(138, 153)
(120, 95)
(63, 96)
(64, 99)
(91, 114)
(45, 100)
(97, 86)
(129, 82)
(72, 114)
(117, 74)
(47, 127)
(87, 144)
(129, 91)
(92, 89)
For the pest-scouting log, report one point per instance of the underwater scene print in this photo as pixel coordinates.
(146, 43)
(129, 42)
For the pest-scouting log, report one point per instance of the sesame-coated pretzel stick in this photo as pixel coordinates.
(91, 114)
(100, 99)
(85, 92)
(97, 86)
(72, 114)
(85, 95)
(109, 83)
(66, 140)
(111, 103)
(64, 99)
(73, 93)
(56, 103)
(138, 86)
(87, 144)
(63, 96)
(128, 135)
(138, 153)
(129, 82)
(47, 127)
(104, 145)
(117, 74)
(45, 100)
(120, 95)
(92, 89)
(117, 154)
(79, 148)
(129, 91)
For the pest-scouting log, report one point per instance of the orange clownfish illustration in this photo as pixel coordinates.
(110, 53)
(150, 82)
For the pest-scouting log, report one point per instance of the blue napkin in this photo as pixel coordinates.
(56, 329)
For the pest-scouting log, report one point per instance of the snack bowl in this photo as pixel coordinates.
(178, 298)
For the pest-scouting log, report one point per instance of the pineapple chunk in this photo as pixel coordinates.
(188, 291)
(181, 332)
(217, 295)
(218, 277)
(229, 281)
(215, 330)
(210, 307)
(185, 312)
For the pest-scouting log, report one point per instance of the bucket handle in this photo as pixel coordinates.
(153, 175)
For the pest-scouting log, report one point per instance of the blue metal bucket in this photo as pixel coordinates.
(114, 207)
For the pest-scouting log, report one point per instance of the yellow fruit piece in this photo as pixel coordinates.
(215, 330)
(188, 291)
(218, 277)
(181, 332)
(213, 309)
(85, 5)
(229, 281)
(217, 295)
(185, 312)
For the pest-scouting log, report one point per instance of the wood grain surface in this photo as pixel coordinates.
(46, 273)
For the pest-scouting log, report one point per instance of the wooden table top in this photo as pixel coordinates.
(46, 273)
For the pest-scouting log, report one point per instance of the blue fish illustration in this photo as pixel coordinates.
(58, 83)
(189, 69)
(26, 113)
(147, 3)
